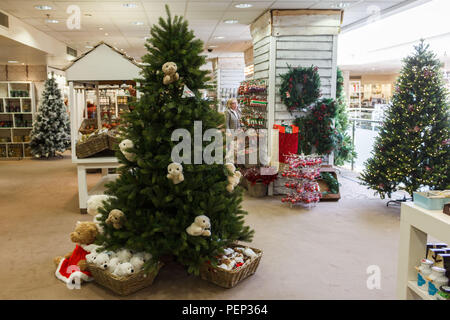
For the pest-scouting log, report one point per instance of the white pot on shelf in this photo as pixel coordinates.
(424, 271)
(436, 279)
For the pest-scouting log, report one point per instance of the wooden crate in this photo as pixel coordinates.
(323, 185)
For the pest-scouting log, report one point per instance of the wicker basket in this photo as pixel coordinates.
(257, 190)
(113, 141)
(92, 146)
(228, 279)
(123, 285)
(88, 123)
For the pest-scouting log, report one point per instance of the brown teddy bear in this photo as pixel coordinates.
(73, 264)
(170, 72)
(116, 218)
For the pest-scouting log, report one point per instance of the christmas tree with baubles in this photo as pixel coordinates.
(191, 210)
(51, 128)
(413, 147)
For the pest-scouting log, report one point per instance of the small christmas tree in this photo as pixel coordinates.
(51, 128)
(412, 149)
(344, 150)
(159, 209)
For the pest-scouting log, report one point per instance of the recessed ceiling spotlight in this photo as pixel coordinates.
(51, 21)
(219, 37)
(106, 34)
(43, 7)
(341, 5)
(100, 28)
(138, 23)
(89, 47)
(13, 61)
(243, 5)
(129, 5)
(212, 47)
(231, 21)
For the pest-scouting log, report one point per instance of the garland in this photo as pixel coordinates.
(300, 87)
(317, 128)
(331, 181)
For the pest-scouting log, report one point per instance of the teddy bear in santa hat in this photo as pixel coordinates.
(73, 265)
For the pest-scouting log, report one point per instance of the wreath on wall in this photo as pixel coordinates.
(317, 129)
(300, 87)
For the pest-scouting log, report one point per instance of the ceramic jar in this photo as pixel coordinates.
(436, 279)
(424, 271)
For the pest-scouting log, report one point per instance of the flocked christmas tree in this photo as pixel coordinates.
(412, 149)
(51, 127)
(158, 212)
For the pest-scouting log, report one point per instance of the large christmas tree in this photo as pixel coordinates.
(157, 210)
(51, 127)
(412, 149)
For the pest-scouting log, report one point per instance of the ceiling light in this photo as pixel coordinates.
(138, 23)
(51, 21)
(231, 21)
(219, 37)
(13, 61)
(100, 28)
(341, 5)
(41, 7)
(106, 34)
(243, 5)
(129, 5)
(212, 47)
(89, 47)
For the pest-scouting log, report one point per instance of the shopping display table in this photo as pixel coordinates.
(416, 224)
(103, 163)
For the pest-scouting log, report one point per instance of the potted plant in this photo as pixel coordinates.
(258, 178)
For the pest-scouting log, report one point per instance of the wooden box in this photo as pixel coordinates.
(323, 186)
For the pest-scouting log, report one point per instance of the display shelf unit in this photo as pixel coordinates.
(113, 101)
(355, 98)
(17, 108)
(416, 224)
(252, 98)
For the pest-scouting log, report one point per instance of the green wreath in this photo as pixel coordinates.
(300, 87)
(316, 128)
(332, 182)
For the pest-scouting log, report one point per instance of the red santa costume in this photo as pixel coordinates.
(68, 269)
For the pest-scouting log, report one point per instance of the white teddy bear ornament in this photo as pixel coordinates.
(233, 178)
(124, 255)
(95, 202)
(199, 227)
(124, 269)
(127, 144)
(102, 260)
(175, 172)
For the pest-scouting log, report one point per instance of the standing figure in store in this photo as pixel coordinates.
(233, 115)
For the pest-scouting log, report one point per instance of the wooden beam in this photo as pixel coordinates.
(300, 12)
